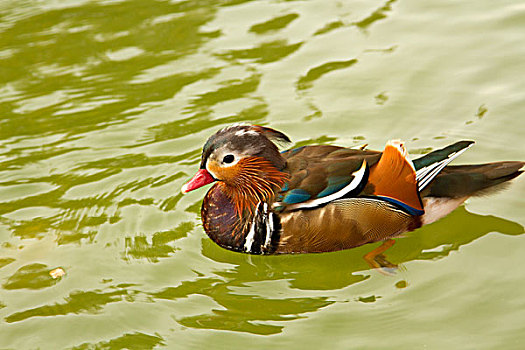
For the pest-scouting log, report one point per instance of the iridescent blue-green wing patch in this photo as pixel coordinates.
(320, 171)
(297, 195)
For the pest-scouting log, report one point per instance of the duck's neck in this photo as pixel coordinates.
(237, 214)
(258, 182)
(255, 229)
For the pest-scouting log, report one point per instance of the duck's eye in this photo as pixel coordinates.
(228, 158)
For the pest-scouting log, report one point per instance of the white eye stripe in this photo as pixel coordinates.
(222, 155)
(217, 158)
(246, 132)
(227, 165)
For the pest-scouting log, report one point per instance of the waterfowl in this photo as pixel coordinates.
(324, 198)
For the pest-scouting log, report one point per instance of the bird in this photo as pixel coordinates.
(325, 198)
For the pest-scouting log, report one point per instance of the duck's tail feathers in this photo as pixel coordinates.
(473, 180)
(430, 165)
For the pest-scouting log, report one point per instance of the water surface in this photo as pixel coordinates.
(104, 108)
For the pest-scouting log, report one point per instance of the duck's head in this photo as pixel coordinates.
(243, 158)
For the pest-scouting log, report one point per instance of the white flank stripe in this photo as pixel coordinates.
(358, 177)
(250, 237)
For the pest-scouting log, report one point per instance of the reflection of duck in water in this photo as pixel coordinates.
(328, 198)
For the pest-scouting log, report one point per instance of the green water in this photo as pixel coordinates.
(105, 105)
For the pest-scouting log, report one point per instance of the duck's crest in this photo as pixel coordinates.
(272, 134)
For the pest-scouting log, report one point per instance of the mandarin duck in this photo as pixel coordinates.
(326, 198)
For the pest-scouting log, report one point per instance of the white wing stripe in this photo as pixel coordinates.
(425, 175)
(358, 178)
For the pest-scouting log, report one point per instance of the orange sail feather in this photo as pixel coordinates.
(394, 176)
